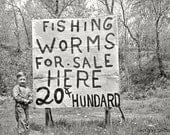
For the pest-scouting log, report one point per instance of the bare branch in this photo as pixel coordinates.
(160, 5)
(49, 9)
(23, 20)
(101, 1)
(66, 4)
(125, 23)
(166, 9)
(154, 7)
(11, 4)
(112, 6)
(107, 6)
(105, 3)
(16, 33)
(56, 11)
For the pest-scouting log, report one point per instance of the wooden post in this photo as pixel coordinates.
(48, 118)
(123, 116)
(107, 118)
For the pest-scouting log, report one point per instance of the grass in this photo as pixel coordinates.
(133, 126)
(143, 117)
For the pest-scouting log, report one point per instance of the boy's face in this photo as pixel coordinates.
(22, 81)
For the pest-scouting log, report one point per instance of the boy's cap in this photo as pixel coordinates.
(19, 74)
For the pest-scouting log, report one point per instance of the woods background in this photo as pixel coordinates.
(143, 38)
(144, 45)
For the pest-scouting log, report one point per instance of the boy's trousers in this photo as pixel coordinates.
(22, 117)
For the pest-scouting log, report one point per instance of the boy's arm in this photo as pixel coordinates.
(30, 96)
(17, 96)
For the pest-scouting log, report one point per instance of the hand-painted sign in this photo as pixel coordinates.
(75, 62)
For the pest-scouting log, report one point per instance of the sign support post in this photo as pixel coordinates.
(48, 118)
(107, 117)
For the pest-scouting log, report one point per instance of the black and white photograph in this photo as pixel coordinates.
(84, 67)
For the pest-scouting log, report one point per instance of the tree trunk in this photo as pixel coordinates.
(107, 118)
(158, 52)
(16, 33)
(126, 62)
(139, 57)
(135, 39)
(26, 31)
(148, 51)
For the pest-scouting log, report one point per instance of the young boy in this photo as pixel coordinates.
(23, 97)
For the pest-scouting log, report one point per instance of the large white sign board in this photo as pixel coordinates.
(75, 62)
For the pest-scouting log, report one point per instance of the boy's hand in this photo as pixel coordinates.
(26, 101)
(30, 101)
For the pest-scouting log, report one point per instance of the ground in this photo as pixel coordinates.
(149, 116)
(145, 116)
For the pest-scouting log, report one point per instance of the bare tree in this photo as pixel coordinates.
(16, 10)
(25, 26)
(53, 7)
(157, 10)
(108, 6)
(134, 38)
(16, 33)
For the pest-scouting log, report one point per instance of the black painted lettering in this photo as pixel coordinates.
(82, 76)
(58, 60)
(48, 62)
(75, 101)
(52, 25)
(93, 41)
(111, 44)
(96, 100)
(58, 99)
(86, 62)
(75, 43)
(45, 25)
(95, 63)
(90, 100)
(77, 25)
(103, 101)
(82, 101)
(85, 26)
(50, 49)
(107, 61)
(66, 78)
(76, 62)
(110, 100)
(94, 24)
(117, 100)
(40, 101)
(63, 45)
(60, 25)
(94, 79)
(58, 77)
(37, 61)
(49, 78)
(107, 25)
